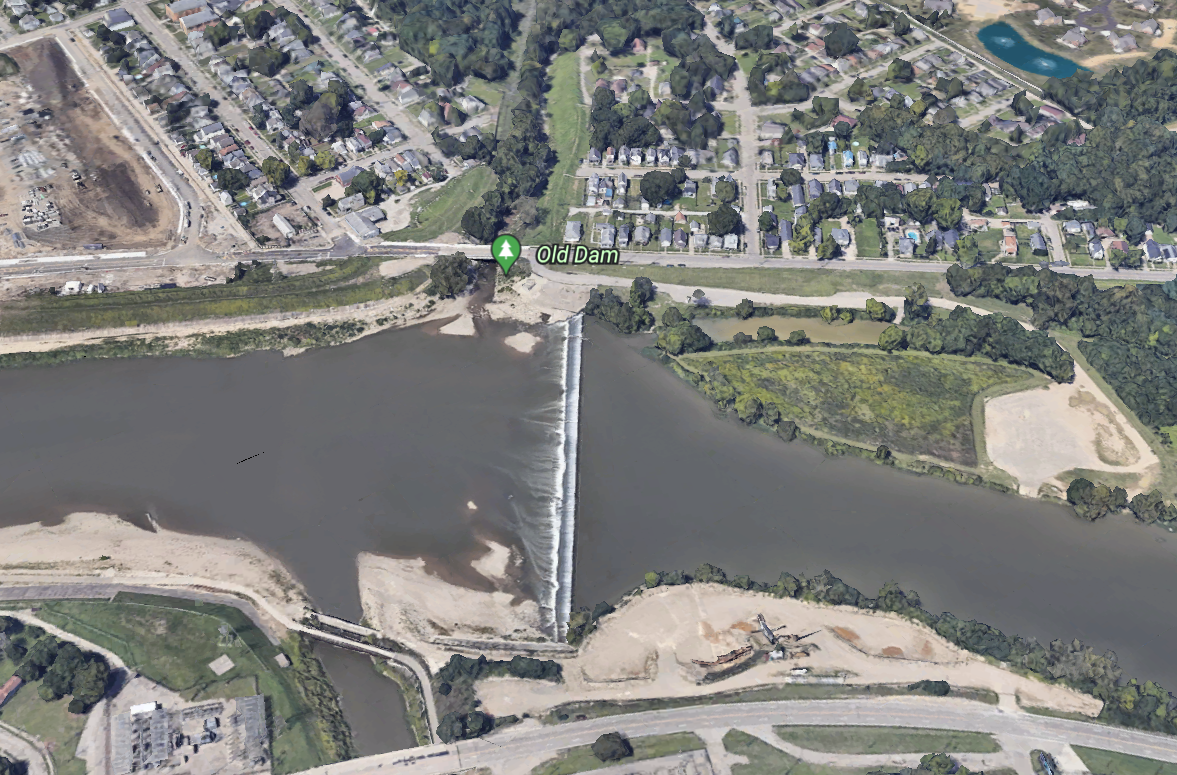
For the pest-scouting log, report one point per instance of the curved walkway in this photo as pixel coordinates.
(20, 746)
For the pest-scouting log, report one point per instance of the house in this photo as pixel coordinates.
(263, 195)
(771, 130)
(850, 188)
(863, 159)
(815, 162)
(1152, 251)
(906, 247)
(608, 236)
(797, 194)
(690, 188)
(471, 104)
(639, 46)
(594, 156)
(1095, 248)
(797, 160)
(363, 228)
(772, 243)
(731, 242)
(834, 187)
(572, 231)
(841, 236)
(208, 132)
(1123, 44)
(1149, 27)
(949, 238)
(28, 22)
(199, 20)
(118, 19)
(1048, 18)
(1088, 229)
(283, 226)
(699, 241)
(623, 236)
(56, 17)
(345, 177)
(184, 8)
(641, 235)
(815, 188)
(786, 230)
(714, 242)
(406, 94)
(635, 157)
(1038, 244)
(818, 237)
(943, 6)
(1073, 39)
(1009, 245)
(679, 238)
(847, 159)
(1072, 227)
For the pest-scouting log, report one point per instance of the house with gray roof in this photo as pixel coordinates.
(573, 231)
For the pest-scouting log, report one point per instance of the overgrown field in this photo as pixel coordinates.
(171, 641)
(440, 210)
(351, 281)
(912, 402)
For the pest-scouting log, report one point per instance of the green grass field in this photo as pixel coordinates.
(440, 210)
(351, 281)
(59, 729)
(566, 134)
(171, 641)
(581, 758)
(1108, 763)
(876, 740)
(797, 282)
(763, 759)
(866, 234)
(915, 403)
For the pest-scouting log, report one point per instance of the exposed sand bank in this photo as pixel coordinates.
(409, 604)
(106, 547)
(462, 326)
(522, 341)
(645, 649)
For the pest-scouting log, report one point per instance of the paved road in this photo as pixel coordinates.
(534, 740)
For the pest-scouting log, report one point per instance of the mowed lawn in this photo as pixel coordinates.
(440, 210)
(171, 641)
(915, 403)
(875, 740)
(581, 758)
(567, 134)
(796, 282)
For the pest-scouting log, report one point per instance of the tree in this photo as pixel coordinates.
(256, 24)
(685, 337)
(43, 652)
(90, 680)
(723, 220)
(610, 307)
(725, 191)
(840, 41)
(275, 170)
(218, 34)
(232, 180)
(103, 32)
(968, 252)
(944, 116)
(481, 223)
(328, 202)
(1021, 104)
(657, 186)
(828, 249)
(915, 303)
(569, 40)
(947, 213)
(304, 166)
(765, 334)
(893, 338)
(859, 91)
(745, 309)
(641, 292)
(450, 275)
(611, 747)
(918, 204)
(797, 338)
(767, 221)
(264, 60)
(672, 317)
(325, 159)
(789, 177)
(900, 70)
(901, 25)
(879, 311)
(204, 157)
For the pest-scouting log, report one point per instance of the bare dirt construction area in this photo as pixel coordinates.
(1076, 423)
(307, 235)
(645, 650)
(122, 279)
(70, 177)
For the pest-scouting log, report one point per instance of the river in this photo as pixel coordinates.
(378, 445)
(1004, 42)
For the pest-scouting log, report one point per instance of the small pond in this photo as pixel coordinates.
(858, 332)
(1004, 42)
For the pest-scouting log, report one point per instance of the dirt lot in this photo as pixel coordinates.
(126, 279)
(308, 235)
(66, 130)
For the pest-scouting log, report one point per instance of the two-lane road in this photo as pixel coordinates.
(521, 743)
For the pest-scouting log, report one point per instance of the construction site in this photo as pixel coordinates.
(68, 177)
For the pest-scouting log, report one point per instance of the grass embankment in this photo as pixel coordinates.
(414, 702)
(440, 209)
(796, 282)
(351, 281)
(567, 120)
(763, 759)
(878, 740)
(1108, 763)
(602, 708)
(581, 758)
(171, 641)
(915, 403)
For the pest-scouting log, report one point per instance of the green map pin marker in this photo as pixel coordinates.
(506, 250)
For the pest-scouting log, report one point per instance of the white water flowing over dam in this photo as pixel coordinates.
(564, 506)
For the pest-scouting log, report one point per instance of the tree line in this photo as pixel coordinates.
(456, 38)
(62, 668)
(1129, 332)
(1129, 703)
(454, 683)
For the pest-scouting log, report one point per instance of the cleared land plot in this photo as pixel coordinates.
(798, 282)
(914, 403)
(351, 281)
(440, 210)
(171, 642)
(119, 205)
(1108, 763)
(874, 740)
(581, 758)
